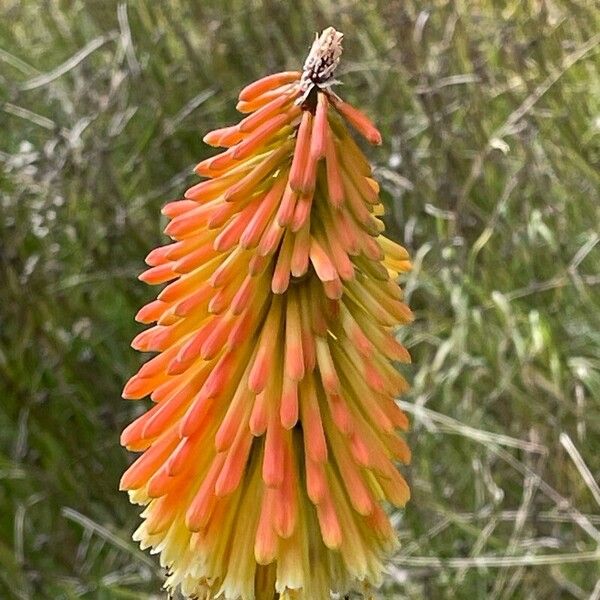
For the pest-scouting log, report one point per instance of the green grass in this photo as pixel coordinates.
(491, 170)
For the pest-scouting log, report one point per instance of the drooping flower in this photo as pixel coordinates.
(270, 450)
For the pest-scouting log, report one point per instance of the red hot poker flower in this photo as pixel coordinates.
(272, 441)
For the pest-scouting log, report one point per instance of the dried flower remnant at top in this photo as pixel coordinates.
(322, 60)
(270, 450)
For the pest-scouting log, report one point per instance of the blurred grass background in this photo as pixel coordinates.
(490, 112)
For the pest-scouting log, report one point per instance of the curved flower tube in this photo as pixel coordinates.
(272, 442)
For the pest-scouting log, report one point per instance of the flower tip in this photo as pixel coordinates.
(212, 137)
(124, 440)
(130, 391)
(279, 286)
(265, 550)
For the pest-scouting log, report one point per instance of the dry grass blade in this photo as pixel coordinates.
(118, 542)
(68, 65)
(494, 562)
(454, 426)
(583, 469)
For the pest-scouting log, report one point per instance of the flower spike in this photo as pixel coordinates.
(270, 452)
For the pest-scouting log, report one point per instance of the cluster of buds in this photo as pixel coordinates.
(272, 443)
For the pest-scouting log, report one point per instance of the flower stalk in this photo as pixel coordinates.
(271, 446)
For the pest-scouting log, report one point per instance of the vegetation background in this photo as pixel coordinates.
(490, 112)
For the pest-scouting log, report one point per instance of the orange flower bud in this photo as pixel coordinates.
(265, 84)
